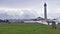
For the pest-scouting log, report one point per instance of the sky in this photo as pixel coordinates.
(21, 9)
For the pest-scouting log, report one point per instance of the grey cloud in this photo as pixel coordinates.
(26, 15)
(20, 3)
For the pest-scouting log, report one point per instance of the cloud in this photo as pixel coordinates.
(20, 3)
(29, 8)
(19, 13)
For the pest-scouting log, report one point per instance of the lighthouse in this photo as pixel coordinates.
(45, 11)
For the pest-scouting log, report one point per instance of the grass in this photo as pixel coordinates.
(24, 28)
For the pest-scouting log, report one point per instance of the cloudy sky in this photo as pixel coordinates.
(28, 8)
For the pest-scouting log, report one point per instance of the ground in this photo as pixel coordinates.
(23, 28)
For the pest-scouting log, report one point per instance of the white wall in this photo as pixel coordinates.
(39, 22)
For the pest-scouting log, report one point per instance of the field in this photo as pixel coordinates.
(24, 28)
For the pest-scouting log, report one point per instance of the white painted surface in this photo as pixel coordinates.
(39, 22)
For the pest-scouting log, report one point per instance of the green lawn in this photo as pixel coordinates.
(23, 28)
